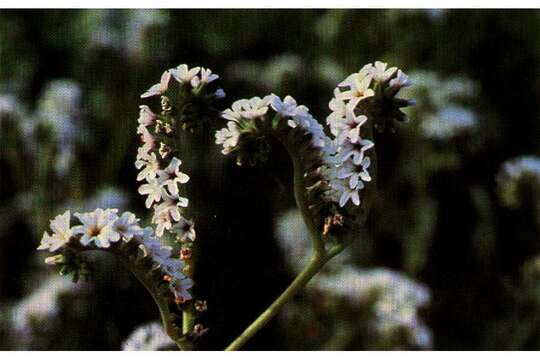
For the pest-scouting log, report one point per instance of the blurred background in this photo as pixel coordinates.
(449, 259)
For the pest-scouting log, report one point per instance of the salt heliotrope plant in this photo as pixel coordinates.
(334, 183)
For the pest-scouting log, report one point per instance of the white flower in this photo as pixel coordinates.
(142, 154)
(355, 173)
(153, 190)
(349, 194)
(380, 73)
(152, 248)
(151, 167)
(183, 74)
(206, 77)
(160, 87)
(247, 109)
(339, 108)
(97, 226)
(349, 127)
(347, 180)
(173, 267)
(127, 226)
(401, 80)
(302, 118)
(149, 337)
(185, 230)
(171, 176)
(286, 108)
(163, 222)
(168, 212)
(359, 89)
(146, 116)
(180, 288)
(228, 137)
(62, 233)
(354, 151)
(146, 137)
(171, 207)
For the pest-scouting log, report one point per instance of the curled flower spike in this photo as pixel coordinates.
(334, 180)
(137, 248)
(160, 168)
(187, 104)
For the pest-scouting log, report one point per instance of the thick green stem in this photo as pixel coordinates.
(298, 284)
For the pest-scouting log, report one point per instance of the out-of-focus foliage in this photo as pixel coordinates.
(449, 255)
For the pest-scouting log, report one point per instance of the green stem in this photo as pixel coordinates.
(300, 196)
(301, 280)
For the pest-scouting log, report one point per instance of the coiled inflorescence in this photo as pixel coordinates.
(157, 157)
(335, 168)
(122, 235)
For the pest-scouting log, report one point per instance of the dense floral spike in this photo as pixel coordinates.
(336, 168)
(104, 229)
(157, 157)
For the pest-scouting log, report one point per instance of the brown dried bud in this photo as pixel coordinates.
(199, 330)
(179, 300)
(201, 306)
(185, 254)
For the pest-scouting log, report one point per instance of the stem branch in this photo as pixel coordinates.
(301, 280)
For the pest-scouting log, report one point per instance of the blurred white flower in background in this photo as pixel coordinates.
(8, 105)
(449, 123)
(149, 337)
(60, 108)
(268, 75)
(106, 198)
(41, 308)
(393, 298)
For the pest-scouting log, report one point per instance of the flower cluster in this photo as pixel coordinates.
(344, 162)
(394, 300)
(516, 175)
(197, 77)
(103, 229)
(348, 169)
(149, 337)
(159, 168)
